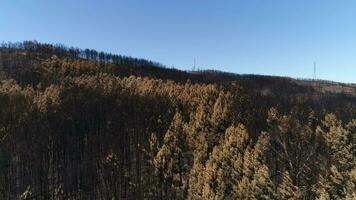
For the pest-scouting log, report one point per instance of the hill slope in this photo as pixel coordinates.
(81, 124)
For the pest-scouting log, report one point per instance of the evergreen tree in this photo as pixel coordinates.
(223, 170)
(262, 186)
(172, 159)
(26, 195)
(338, 140)
(339, 181)
(151, 178)
(287, 190)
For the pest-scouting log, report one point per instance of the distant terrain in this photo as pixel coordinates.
(81, 124)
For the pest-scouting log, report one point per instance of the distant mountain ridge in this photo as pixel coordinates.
(28, 53)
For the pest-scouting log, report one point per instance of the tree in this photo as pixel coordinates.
(287, 190)
(294, 148)
(262, 186)
(151, 180)
(223, 171)
(196, 175)
(172, 159)
(338, 182)
(337, 138)
(27, 194)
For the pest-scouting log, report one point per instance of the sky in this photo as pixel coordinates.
(270, 37)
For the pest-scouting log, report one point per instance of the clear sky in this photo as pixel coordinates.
(274, 37)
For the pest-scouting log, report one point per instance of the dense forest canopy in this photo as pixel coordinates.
(82, 124)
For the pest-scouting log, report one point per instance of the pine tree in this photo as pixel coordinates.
(287, 190)
(351, 185)
(222, 111)
(294, 147)
(196, 175)
(244, 189)
(262, 186)
(151, 178)
(338, 181)
(172, 159)
(27, 194)
(337, 139)
(223, 170)
(196, 181)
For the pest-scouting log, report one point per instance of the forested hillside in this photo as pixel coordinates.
(82, 124)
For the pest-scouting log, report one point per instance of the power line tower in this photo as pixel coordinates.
(316, 82)
(314, 73)
(194, 64)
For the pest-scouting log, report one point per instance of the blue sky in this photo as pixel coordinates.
(273, 37)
